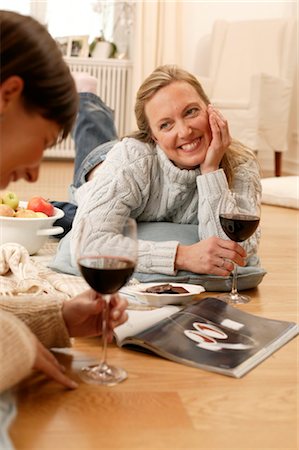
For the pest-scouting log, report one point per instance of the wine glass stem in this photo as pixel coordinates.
(234, 290)
(105, 318)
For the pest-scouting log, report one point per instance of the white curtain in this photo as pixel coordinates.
(156, 38)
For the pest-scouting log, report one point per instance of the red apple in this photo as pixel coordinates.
(39, 204)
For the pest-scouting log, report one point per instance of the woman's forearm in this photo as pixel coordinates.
(42, 316)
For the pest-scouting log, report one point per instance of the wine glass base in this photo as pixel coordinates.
(103, 374)
(234, 299)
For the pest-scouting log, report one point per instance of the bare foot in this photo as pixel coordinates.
(85, 82)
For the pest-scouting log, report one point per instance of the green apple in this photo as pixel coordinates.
(11, 199)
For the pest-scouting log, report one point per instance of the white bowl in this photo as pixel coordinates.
(31, 233)
(138, 291)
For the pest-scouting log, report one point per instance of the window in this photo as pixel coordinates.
(68, 17)
(21, 6)
(80, 17)
(111, 19)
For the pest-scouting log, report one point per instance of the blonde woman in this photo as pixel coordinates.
(174, 169)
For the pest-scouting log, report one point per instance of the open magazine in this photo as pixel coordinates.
(208, 334)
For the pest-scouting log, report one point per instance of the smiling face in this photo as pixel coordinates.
(24, 136)
(179, 123)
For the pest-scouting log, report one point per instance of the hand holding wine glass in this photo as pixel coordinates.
(239, 218)
(106, 268)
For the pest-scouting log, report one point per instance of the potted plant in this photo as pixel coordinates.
(102, 49)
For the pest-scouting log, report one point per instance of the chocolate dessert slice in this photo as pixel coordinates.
(166, 289)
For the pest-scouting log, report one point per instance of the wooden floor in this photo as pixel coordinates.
(166, 406)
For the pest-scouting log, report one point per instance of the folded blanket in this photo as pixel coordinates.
(20, 274)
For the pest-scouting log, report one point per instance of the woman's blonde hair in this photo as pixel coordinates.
(236, 154)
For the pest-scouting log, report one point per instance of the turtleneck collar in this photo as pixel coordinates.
(174, 173)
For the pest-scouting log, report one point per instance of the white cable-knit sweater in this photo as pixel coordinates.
(138, 180)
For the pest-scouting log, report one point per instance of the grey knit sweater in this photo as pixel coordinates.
(138, 180)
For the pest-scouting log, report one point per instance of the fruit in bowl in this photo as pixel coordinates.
(25, 213)
(36, 207)
(11, 199)
(29, 228)
(39, 204)
(6, 210)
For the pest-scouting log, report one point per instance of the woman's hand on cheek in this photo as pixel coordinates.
(220, 141)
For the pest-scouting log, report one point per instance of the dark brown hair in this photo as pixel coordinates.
(29, 51)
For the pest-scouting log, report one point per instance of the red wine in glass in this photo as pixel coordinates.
(106, 274)
(239, 227)
(239, 217)
(106, 263)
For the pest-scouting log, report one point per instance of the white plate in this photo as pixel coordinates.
(138, 291)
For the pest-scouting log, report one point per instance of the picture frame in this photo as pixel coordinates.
(63, 44)
(78, 46)
(73, 46)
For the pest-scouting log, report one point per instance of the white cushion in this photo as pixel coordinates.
(281, 191)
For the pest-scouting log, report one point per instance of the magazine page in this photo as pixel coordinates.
(139, 321)
(215, 336)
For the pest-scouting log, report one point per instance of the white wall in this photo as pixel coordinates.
(199, 17)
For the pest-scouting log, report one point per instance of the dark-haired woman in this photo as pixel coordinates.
(38, 106)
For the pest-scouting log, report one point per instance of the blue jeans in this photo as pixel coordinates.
(94, 134)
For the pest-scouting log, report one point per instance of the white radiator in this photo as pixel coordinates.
(114, 83)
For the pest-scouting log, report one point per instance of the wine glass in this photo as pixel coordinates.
(239, 218)
(106, 266)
